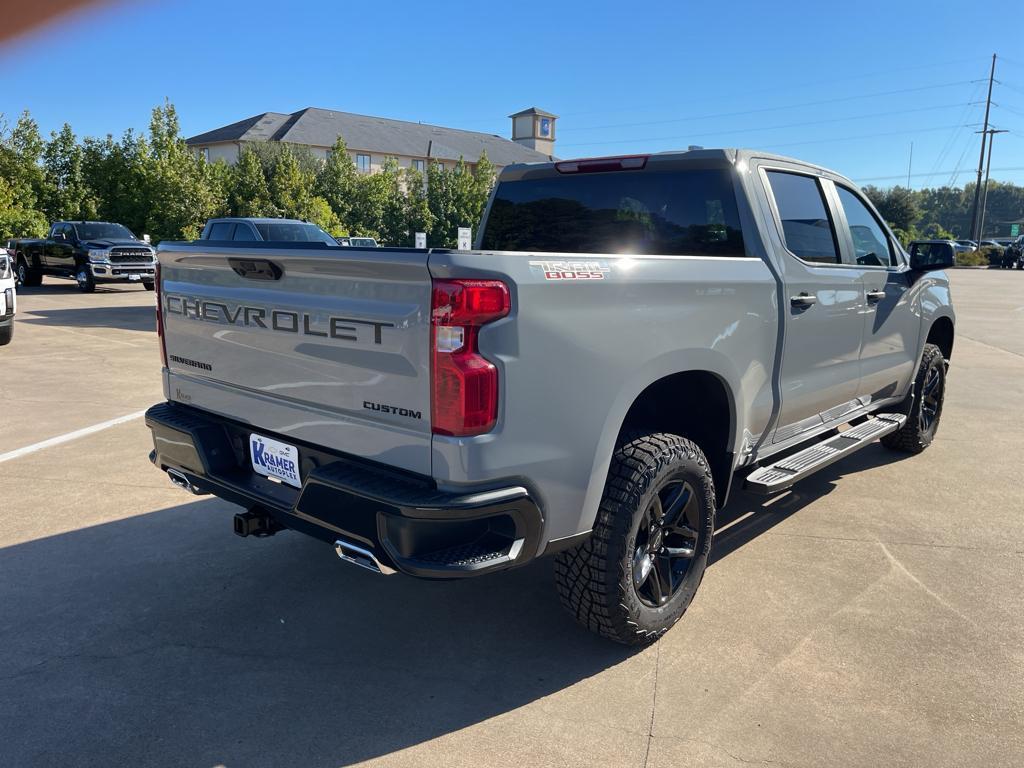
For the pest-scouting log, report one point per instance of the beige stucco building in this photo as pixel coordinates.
(370, 140)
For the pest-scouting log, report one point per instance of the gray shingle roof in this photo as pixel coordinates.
(321, 127)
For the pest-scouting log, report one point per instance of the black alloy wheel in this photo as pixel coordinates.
(666, 542)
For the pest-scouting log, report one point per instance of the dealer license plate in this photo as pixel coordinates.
(274, 459)
(134, 277)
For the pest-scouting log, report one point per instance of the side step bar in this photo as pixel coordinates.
(783, 473)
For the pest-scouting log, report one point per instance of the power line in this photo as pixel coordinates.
(954, 170)
(862, 136)
(756, 129)
(947, 147)
(761, 110)
(887, 73)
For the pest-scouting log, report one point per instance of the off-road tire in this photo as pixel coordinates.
(86, 281)
(595, 579)
(6, 333)
(915, 436)
(149, 285)
(26, 276)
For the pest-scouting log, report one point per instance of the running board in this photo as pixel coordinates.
(783, 473)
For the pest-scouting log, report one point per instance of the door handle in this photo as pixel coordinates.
(874, 297)
(803, 300)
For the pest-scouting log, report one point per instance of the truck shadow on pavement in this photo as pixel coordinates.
(163, 639)
(125, 318)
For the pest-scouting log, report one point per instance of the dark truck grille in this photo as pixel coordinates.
(130, 256)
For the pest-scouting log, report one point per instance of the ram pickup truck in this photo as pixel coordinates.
(89, 252)
(629, 335)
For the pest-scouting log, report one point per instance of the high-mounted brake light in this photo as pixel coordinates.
(159, 316)
(599, 164)
(464, 397)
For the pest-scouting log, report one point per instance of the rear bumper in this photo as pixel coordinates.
(403, 520)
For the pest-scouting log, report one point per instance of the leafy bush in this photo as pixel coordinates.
(973, 258)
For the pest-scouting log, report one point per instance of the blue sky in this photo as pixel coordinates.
(848, 85)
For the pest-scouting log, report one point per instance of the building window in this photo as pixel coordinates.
(206, 154)
(363, 163)
(545, 127)
(419, 165)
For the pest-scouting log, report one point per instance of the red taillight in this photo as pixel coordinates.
(601, 164)
(159, 316)
(465, 383)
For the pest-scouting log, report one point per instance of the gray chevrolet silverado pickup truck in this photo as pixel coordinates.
(630, 334)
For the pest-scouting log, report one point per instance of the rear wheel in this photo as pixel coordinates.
(26, 276)
(926, 410)
(85, 279)
(639, 570)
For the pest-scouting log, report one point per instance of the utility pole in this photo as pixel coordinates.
(910, 163)
(981, 158)
(988, 168)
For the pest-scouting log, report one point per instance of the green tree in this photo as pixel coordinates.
(336, 181)
(16, 220)
(898, 206)
(417, 209)
(178, 196)
(394, 224)
(319, 212)
(67, 196)
(21, 149)
(441, 204)
(249, 194)
(368, 202)
(290, 185)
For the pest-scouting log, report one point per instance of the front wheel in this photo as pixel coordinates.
(926, 410)
(637, 573)
(6, 333)
(86, 281)
(149, 285)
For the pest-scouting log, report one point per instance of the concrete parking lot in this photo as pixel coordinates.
(872, 617)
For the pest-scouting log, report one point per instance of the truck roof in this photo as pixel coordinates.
(725, 155)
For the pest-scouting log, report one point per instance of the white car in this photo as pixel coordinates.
(8, 296)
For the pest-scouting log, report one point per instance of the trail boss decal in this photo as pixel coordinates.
(572, 270)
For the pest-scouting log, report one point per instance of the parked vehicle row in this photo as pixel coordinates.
(630, 333)
(89, 252)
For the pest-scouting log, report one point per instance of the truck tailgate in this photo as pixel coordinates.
(321, 345)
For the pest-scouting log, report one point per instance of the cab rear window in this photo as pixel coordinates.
(690, 212)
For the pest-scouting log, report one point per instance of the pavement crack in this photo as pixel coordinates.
(990, 346)
(654, 703)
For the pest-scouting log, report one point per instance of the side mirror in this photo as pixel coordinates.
(928, 257)
(145, 238)
(60, 236)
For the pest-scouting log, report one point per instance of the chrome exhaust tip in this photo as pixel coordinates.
(357, 555)
(179, 479)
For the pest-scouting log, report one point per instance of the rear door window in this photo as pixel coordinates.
(870, 243)
(806, 225)
(244, 232)
(221, 230)
(680, 212)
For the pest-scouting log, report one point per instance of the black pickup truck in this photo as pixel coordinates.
(89, 252)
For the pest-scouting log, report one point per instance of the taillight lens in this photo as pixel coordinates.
(159, 316)
(465, 383)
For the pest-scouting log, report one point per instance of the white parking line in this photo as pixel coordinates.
(19, 452)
